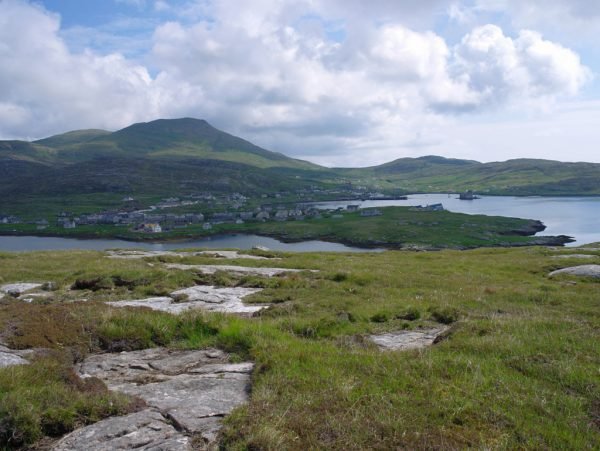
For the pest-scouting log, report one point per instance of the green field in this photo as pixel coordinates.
(518, 369)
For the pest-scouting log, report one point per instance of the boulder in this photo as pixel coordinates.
(146, 430)
(17, 289)
(193, 389)
(11, 358)
(228, 300)
(132, 254)
(407, 339)
(209, 298)
(581, 271)
(241, 270)
(575, 256)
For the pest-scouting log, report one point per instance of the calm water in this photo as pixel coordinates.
(34, 243)
(578, 217)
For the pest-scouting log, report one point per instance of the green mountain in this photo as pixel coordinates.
(161, 139)
(164, 158)
(159, 158)
(512, 177)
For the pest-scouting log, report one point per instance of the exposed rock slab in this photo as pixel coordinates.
(228, 300)
(193, 389)
(406, 339)
(209, 298)
(575, 256)
(162, 304)
(145, 430)
(136, 254)
(10, 358)
(17, 289)
(581, 271)
(232, 255)
(242, 270)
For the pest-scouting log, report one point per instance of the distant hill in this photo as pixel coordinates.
(71, 138)
(179, 156)
(158, 158)
(512, 177)
(161, 139)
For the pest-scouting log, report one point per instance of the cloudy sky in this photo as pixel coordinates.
(336, 82)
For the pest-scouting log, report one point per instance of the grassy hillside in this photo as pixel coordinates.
(513, 177)
(184, 156)
(150, 160)
(175, 138)
(518, 368)
(71, 138)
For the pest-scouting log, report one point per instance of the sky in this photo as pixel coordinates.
(337, 82)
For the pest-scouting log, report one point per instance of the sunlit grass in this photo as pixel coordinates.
(519, 368)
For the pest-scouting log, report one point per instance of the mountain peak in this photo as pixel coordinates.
(184, 128)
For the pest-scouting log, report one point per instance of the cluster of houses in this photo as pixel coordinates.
(131, 218)
(154, 222)
(9, 219)
(431, 207)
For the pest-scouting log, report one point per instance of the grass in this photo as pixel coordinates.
(47, 398)
(399, 227)
(518, 369)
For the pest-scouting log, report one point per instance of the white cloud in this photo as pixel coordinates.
(330, 81)
(525, 69)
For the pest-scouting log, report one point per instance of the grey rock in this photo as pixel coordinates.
(575, 256)
(242, 270)
(146, 430)
(140, 254)
(162, 304)
(125, 367)
(232, 255)
(16, 289)
(581, 271)
(227, 300)
(209, 298)
(11, 358)
(193, 389)
(406, 339)
(124, 254)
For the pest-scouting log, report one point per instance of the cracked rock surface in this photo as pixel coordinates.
(215, 254)
(581, 271)
(146, 430)
(17, 289)
(187, 392)
(243, 270)
(10, 357)
(205, 297)
(406, 339)
(575, 256)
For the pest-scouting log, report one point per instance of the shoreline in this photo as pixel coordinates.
(551, 240)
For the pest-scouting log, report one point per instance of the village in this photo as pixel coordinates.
(205, 209)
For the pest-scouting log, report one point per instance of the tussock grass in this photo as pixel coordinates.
(518, 367)
(48, 398)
